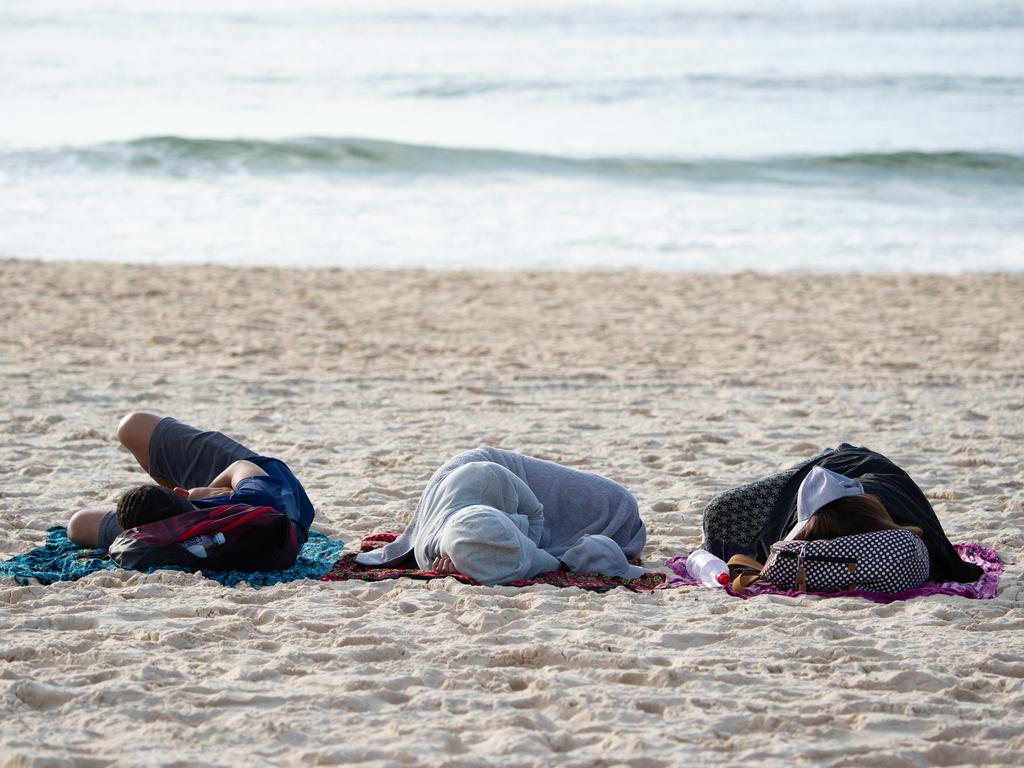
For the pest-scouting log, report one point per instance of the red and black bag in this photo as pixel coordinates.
(234, 537)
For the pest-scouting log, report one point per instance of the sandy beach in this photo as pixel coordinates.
(678, 386)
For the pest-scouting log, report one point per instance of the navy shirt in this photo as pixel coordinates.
(279, 489)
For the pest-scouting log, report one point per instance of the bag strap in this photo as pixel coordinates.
(744, 562)
(752, 574)
(801, 568)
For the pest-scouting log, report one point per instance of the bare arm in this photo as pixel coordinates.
(236, 473)
(227, 480)
(84, 527)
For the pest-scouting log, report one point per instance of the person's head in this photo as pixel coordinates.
(485, 543)
(849, 516)
(149, 503)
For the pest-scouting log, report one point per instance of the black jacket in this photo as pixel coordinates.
(900, 495)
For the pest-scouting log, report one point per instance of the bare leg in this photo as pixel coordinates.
(134, 432)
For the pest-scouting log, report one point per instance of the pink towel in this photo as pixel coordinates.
(983, 589)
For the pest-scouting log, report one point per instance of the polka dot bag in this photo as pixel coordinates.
(881, 561)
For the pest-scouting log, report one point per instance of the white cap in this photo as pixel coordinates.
(594, 553)
(486, 544)
(820, 487)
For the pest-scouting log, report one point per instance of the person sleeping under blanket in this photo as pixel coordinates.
(500, 517)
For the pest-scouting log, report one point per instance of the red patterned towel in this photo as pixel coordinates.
(347, 568)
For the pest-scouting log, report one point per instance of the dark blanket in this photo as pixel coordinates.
(902, 499)
(348, 569)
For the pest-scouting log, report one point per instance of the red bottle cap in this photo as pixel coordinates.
(722, 578)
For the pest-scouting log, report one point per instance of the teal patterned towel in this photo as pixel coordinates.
(60, 560)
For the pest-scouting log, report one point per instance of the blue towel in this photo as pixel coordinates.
(61, 560)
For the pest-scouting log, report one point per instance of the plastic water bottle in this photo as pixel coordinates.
(709, 570)
(198, 545)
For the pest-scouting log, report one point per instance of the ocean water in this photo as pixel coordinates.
(713, 135)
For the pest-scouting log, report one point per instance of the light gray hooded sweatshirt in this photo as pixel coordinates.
(551, 504)
(462, 508)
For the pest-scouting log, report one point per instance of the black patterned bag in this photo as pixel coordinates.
(882, 561)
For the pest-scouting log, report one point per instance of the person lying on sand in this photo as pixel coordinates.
(840, 492)
(500, 517)
(193, 469)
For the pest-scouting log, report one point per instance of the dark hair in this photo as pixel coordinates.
(149, 503)
(851, 515)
